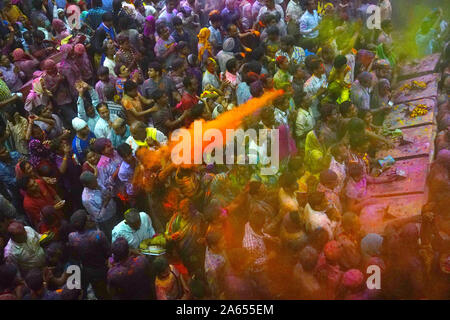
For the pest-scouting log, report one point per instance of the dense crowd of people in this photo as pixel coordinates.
(86, 85)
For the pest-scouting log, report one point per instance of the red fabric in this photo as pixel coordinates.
(187, 102)
(33, 206)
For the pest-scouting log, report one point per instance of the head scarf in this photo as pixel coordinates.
(65, 49)
(149, 26)
(228, 45)
(78, 124)
(49, 66)
(58, 25)
(353, 279)
(19, 55)
(203, 42)
(371, 244)
(79, 49)
(38, 152)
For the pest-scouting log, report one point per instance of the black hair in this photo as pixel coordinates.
(326, 110)
(176, 21)
(103, 71)
(273, 31)
(197, 110)
(97, 3)
(34, 280)
(287, 180)
(187, 81)
(109, 91)
(344, 107)
(156, 66)
(231, 64)
(339, 61)
(124, 149)
(160, 264)
(38, 110)
(22, 183)
(101, 104)
(288, 40)
(129, 86)
(107, 17)
(216, 17)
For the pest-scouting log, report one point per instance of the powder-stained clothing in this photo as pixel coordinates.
(134, 237)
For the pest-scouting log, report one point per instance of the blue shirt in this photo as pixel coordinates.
(7, 170)
(79, 147)
(308, 22)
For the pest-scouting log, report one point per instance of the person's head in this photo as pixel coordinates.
(119, 126)
(171, 5)
(177, 24)
(78, 220)
(329, 179)
(89, 180)
(317, 67)
(163, 31)
(27, 168)
(126, 153)
(256, 89)
(328, 112)
(103, 111)
(366, 116)
(80, 126)
(161, 267)
(79, 50)
(231, 66)
(154, 70)
(59, 145)
(355, 171)
(211, 65)
(365, 79)
(107, 19)
(109, 91)
(317, 201)
(133, 218)
(282, 63)
(267, 116)
(273, 33)
(327, 53)
(17, 232)
(348, 109)
(92, 157)
(318, 238)
(308, 258)
(384, 87)
(122, 70)
(130, 88)
(103, 146)
(310, 5)
(287, 43)
(110, 51)
(35, 280)
(213, 239)
(160, 97)
(28, 184)
(215, 19)
(120, 249)
(288, 182)
(4, 153)
(44, 111)
(49, 67)
(340, 63)
(103, 74)
(124, 42)
(232, 30)
(4, 61)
